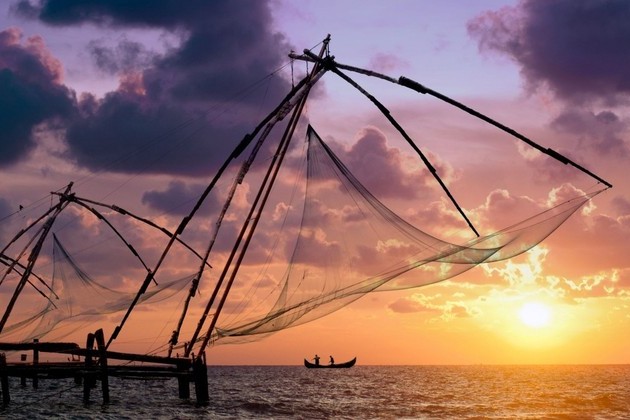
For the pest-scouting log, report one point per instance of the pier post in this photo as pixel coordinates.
(200, 374)
(23, 377)
(88, 380)
(4, 380)
(102, 352)
(35, 363)
(183, 381)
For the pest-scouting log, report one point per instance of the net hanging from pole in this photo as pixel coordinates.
(77, 299)
(350, 244)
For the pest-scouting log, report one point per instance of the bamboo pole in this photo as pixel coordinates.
(261, 197)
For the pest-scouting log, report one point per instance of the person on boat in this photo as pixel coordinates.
(332, 361)
(316, 359)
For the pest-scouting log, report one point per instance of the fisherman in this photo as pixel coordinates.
(332, 361)
(316, 359)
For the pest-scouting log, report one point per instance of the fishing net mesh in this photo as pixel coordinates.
(76, 299)
(347, 243)
(350, 244)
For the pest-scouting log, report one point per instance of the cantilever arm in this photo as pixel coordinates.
(398, 127)
(411, 84)
(124, 212)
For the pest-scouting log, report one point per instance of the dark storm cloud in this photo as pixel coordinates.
(30, 93)
(580, 49)
(126, 56)
(227, 47)
(178, 192)
(577, 49)
(165, 13)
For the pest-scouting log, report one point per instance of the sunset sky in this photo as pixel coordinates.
(139, 103)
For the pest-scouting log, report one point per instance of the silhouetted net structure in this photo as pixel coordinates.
(349, 244)
(76, 299)
(335, 246)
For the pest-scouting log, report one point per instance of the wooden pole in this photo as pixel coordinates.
(88, 376)
(184, 386)
(180, 229)
(102, 352)
(200, 373)
(35, 363)
(23, 377)
(183, 380)
(4, 380)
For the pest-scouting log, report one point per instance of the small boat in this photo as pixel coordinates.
(347, 364)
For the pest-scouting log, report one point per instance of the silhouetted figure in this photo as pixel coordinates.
(332, 361)
(316, 359)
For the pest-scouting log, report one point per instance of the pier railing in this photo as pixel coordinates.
(96, 367)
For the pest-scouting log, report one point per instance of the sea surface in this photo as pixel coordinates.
(362, 392)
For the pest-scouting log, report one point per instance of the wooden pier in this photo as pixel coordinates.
(96, 367)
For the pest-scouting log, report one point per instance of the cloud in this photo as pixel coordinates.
(624, 279)
(578, 49)
(534, 272)
(520, 274)
(6, 211)
(416, 303)
(603, 129)
(31, 93)
(385, 171)
(127, 132)
(169, 13)
(595, 285)
(387, 63)
(502, 209)
(227, 51)
(419, 302)
(439, 218)
(622, 205)
(125, 57)
(180, 193)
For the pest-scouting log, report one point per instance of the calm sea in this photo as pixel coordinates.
(363, 392)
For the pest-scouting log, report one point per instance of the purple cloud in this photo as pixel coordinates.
(227, 49)
(31, 93)
(125, 57)
(602, 130)
(578, 49)
(381, 168)
(178, 192)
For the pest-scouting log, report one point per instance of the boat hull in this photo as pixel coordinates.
(343, 365)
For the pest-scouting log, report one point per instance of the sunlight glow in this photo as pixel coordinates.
(535, 314)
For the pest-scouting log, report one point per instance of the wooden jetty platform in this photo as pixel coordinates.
(96, 367)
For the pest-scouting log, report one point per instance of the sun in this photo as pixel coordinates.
(535, 314)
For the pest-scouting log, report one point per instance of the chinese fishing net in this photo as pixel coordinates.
(75, 300)
(350, 244)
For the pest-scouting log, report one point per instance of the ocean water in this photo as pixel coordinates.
(362, 392)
